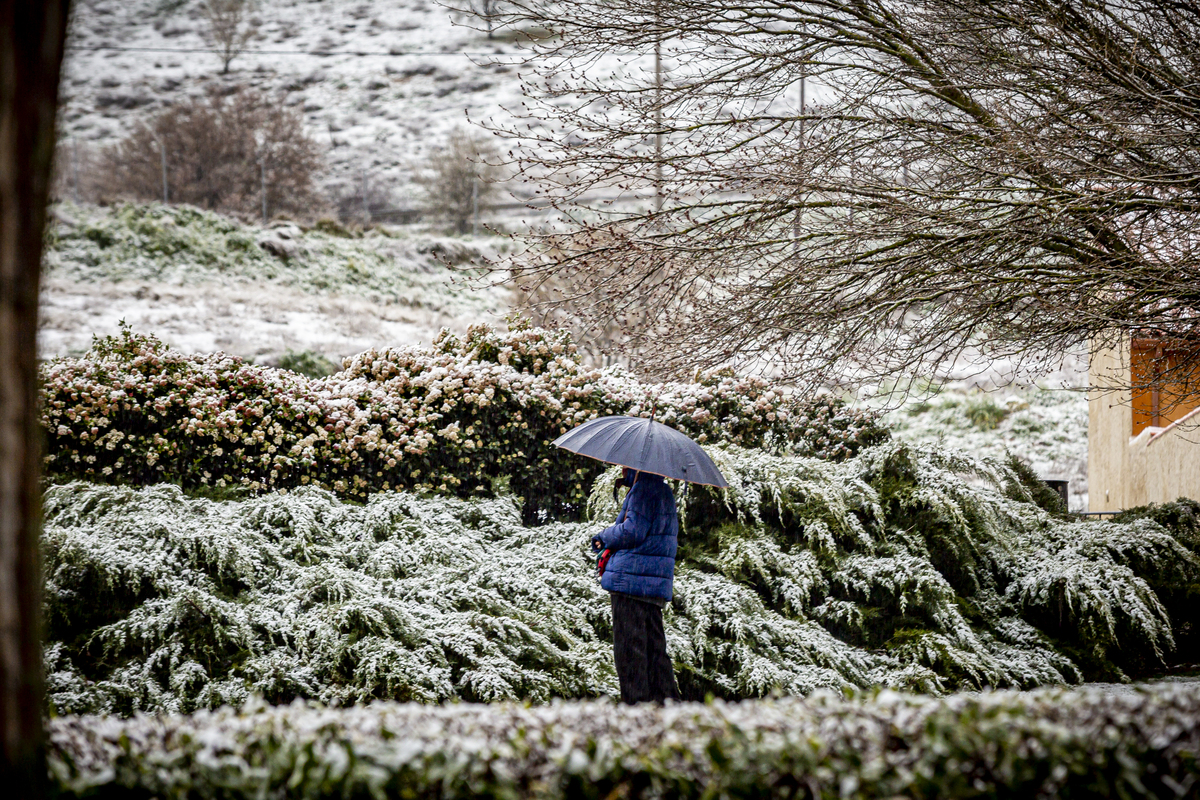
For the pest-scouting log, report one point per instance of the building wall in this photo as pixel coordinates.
(1157, 466)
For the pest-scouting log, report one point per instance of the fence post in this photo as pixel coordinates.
(365, 207)
(262, 166)
(75, 167)
(162, 152)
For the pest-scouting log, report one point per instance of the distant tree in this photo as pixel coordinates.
(486, 10)
(460, 180)
(362, 200)
(32, 37)
(1015, 178)
(563, 300)
(217, 150)
(230, 27)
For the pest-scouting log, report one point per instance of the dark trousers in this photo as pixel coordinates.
(640, 650)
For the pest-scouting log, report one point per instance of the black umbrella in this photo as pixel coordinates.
(644, 445)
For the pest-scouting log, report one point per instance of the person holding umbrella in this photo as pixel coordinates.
(638, 571)
(637, 553)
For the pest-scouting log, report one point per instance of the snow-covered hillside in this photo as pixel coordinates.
(379, 83)
(204, 282)
(375, 118)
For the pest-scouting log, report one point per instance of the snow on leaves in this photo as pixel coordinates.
(1038, 744)
(922, 574)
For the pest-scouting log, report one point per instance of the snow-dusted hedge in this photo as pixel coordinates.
(453, 419)
(898, 567)
(1005, 744)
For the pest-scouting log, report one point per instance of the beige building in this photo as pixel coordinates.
(1143, 443)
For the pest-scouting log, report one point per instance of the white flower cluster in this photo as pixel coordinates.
(451, 419)
(995, 744)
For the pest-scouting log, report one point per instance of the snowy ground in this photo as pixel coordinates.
(391, 80)
(255, 322)
(202, 282)
(1045, 427)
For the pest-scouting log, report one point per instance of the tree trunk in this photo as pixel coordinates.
(32, 34)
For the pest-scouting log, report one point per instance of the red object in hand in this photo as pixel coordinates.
(603, 562)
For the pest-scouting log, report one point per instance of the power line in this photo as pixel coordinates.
(322, 53)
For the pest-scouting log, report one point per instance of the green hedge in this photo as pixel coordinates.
(1043, 744)
(460, 418)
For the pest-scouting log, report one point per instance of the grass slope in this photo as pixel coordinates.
(204, 282)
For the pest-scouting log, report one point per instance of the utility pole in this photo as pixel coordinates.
(658, 139)
(796, 213)
(803, 88)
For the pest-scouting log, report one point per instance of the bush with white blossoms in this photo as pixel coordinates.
(900, 567)
(459, 418)
(1054, 743)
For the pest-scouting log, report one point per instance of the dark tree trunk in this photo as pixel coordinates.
(32, 33)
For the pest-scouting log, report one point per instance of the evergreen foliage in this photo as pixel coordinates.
(453, 419)
(1179, 591)
(1066, 744)
(898, 567)
(1033, 487)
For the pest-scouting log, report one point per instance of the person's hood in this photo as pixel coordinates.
(629, 476)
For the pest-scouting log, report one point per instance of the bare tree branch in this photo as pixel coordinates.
(1008, 178)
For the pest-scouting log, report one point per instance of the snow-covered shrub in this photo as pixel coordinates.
(309, 363)
(996, 744)
(889, 568)
(214, 154)
(453, 418)
(1178, 590)
(156, 601)
(921, 555)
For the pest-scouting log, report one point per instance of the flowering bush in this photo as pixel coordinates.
(899, 567)
(453, 419)
(995, 744)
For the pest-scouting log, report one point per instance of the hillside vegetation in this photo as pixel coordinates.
(187, 246)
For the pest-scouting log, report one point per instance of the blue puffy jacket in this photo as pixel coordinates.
(643, 541)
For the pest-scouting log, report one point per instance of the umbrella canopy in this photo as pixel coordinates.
(644, 445)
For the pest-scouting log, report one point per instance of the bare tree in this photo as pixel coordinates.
(1012, 178)
(219, 152)
(230, 27)
(31, 40)
(561, 301)
(488, 11)
(460, 180)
